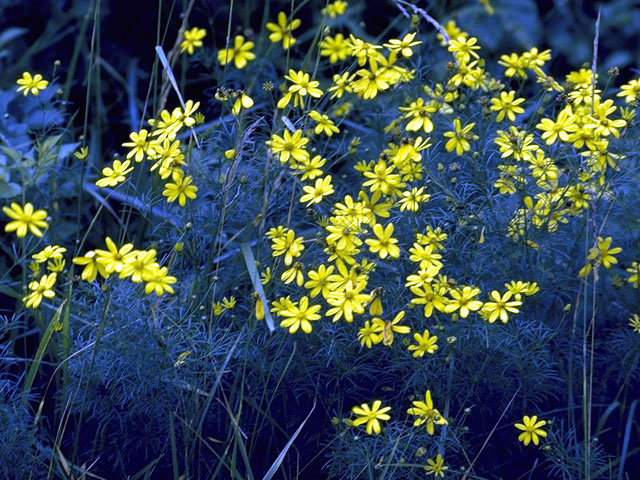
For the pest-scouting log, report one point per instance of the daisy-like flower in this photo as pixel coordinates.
(335, 9)
(403, 46)
(459, 137)
(300, 316)
(31, 84)
(316, 194)
(289, 146)
(301, 86)
(500, 307)
(192, 40)
(114, 259)
(25, 219)
(507, 105)
(180, 189)
(464, 300)
(426, 414)
(282, 30)
(371, 416)
(336, 48)
(139, 145)
(91, 266)
(141, 264)
(39, 290)
(241, 53)
(370, 334)
(531, 429)
(323, 124)
(158, 281)
(634, 322)
(436, 467)
(384, 244)
(114, 175)
(425, 344)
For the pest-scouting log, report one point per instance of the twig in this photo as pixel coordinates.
(425, 15)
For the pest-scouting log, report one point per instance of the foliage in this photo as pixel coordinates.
(299, 240)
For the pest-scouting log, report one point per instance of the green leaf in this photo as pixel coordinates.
(9, 190)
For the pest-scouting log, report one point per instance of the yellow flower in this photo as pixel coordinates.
(243, 101)
(371, 416)
(336, 48)
(323, 124)
(316, 194)
(500, 307)
(390, 328)
(192, 39)
(341, 85)
(336, 8)
(282, 30)
(532, 429)
(561, 128)
(289, 146)
(347, 302)
(50, 252)
(82, 153)
(634, 323)
(300, 316)
(464, 300)
(603, 254)
(141, 264)
(370, 334)
(139, 144)
(114, 259)
(25, 218)
(426, 413)
(229, 303)
(436, 467)
(384, 245)
(634, 270)
(241, 53)
(507, 105)
(419, 113)
(459, 137)
(180, 189)
(29, 84)
(425, 344)
(319, 281)
(158, 281)
(464, 48)
(287, 245)
(403, 46)
(40, 290)
(302, 86)
(294, 273)
(114, 175)
(91, 267)
(371, 81)
(630, 91)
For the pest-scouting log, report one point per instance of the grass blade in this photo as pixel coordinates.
(42, 348)
(278, 461)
